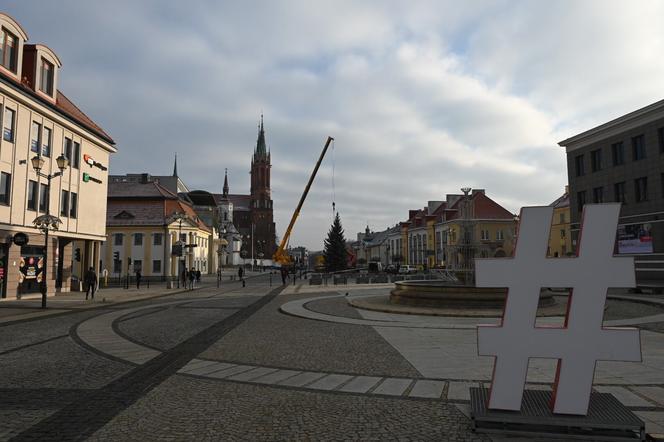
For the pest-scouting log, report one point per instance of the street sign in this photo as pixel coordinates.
(20, 239)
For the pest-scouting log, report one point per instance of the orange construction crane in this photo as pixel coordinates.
(280, 256)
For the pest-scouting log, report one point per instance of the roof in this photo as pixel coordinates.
(240, 202)
(617, 125)
(562, 201)
(63, 105)
(128, 189)
(483, 208)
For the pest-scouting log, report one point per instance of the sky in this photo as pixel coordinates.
(422, 97)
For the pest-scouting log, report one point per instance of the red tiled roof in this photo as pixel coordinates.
(128, 189)
(483, 208)
(62, 105)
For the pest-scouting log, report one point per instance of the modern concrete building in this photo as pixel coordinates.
(622, 160)
(38, 120)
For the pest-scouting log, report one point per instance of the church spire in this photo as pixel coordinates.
(175, 165)
(261, 150)
(225, 194)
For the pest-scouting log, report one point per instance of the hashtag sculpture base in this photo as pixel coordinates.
(607, 418)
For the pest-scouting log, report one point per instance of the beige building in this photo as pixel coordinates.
(142, 225)
(560, 237)
(37, 119)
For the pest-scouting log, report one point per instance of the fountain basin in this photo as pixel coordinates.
(443, 294)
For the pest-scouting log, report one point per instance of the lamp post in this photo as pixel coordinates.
(179, 216)
(220, 253)
(252, 246)
(48, 221)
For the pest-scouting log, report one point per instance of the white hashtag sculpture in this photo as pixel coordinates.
(581, 341)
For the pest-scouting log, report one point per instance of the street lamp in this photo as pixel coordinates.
(220, 252)
(179, 216)
(48, 221)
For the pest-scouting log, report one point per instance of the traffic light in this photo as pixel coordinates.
(77, 255)
(116, 256)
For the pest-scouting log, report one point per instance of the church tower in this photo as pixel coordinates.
(261, 198)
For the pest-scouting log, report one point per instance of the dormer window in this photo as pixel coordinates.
(46, 77)
(8, 49)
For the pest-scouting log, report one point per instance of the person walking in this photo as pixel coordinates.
(240, 274)
(138, 279)
(284, 275)
(192, 278)
(198, 276)
(91, 281)
(184, 277)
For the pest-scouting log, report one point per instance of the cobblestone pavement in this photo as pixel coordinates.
(226, 364)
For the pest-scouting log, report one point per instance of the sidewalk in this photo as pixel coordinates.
(30, 306)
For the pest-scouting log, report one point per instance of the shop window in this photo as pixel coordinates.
(5, 187)
(73, 206)
(43, 197)
(8, 127)
(46, 145)
(8, 50)
(33, 193)
(64, 203)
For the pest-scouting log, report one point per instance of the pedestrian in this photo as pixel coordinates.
(284, 275)
(91, 281)
(184, 277)
(192, 278)
(198, 276)
(138, 279)
(240, 274)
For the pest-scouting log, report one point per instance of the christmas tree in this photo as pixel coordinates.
(335, 247)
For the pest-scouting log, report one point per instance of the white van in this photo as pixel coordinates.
(405, 269)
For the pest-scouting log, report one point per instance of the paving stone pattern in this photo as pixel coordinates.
(274, 339)
(179, 409)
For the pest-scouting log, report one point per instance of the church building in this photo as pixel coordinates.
(252, 215)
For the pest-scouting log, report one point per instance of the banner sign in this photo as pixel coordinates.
(634, 238)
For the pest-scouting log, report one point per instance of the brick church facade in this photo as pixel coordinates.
(252, 215)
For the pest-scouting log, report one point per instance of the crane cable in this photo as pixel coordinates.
(334, 196)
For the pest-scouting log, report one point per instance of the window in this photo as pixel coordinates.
(660, 136)
(596, 160)
(8, 50)
(619, 192)
(580, 200)
(8, 129)
(43, 197)
(562, 218)
(5, 187)
(562, 233)
(641, 189)
(138, 239)
(157, 239)
(499, 235)
(156, 266)
(46, 77)
(67, 149)
(73, 205)
(34, 138)
(117, 266)
(117, 239)
(618, 153)
(64, 203)
(183, 238)
(598, 195)
(46, 146)
(578, 161)
(32, 195)
(75, 161)
(138, 265)
(638, 148)
(484, 234)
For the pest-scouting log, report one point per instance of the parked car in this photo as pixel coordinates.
(375, 267)
(391, 268)
(406, 269)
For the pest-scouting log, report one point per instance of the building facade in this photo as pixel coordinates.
(623, 161)
(560, 237)
(38, 120)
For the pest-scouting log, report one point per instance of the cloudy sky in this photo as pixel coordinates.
(422, 97)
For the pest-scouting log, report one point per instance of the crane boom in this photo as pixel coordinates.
(280, 256)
